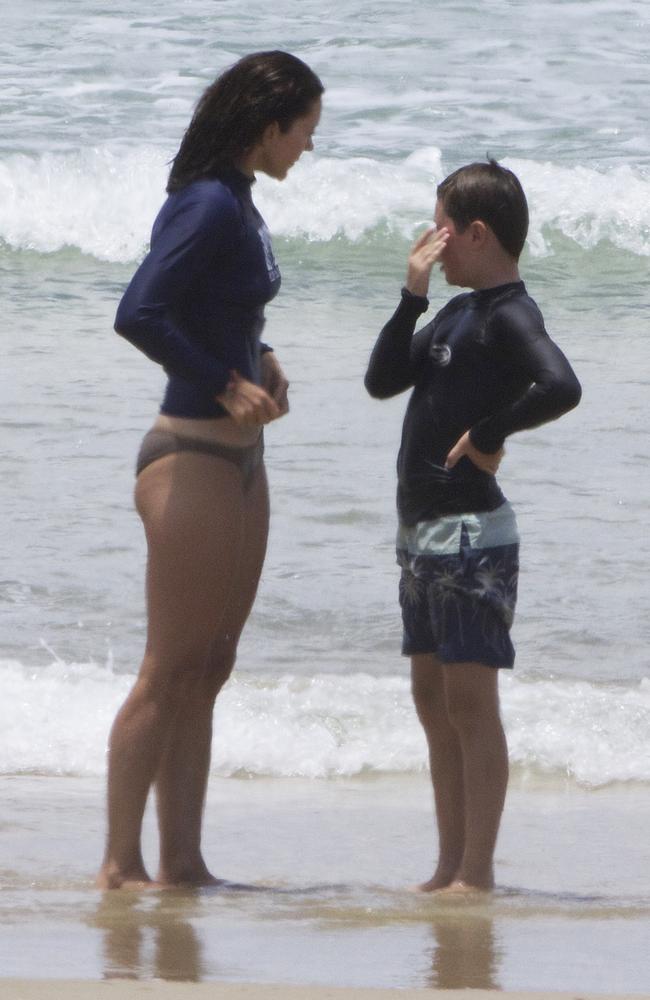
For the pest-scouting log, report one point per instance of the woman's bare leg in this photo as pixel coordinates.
(473, 709)
(191, 506)
(446, 763)
(182, 777)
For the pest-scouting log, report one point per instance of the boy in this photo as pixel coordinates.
(482, 369)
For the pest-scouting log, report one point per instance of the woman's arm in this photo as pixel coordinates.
(182, 253)
(275, 381)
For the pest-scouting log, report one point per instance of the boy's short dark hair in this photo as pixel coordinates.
(492, 194)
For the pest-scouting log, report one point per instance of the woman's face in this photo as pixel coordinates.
(278, 151)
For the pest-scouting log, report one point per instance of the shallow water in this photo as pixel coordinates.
(329, 900)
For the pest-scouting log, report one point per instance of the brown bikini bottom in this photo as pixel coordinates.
(158, 443)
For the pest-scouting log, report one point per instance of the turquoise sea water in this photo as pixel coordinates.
(94, 99)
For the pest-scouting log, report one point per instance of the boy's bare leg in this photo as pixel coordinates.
(446, 762)
(473, 709)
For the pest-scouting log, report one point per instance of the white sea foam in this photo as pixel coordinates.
(100, 201)
(587, 205)
(103, 201)
(56, 719)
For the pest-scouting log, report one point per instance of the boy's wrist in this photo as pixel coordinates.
(417, 285)
(488, 445)
(415, 298)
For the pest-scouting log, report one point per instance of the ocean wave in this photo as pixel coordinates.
(99, 201)
(102, 201)
(55, 720)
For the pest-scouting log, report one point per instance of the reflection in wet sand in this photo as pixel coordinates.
(150, 935)
(465, 955)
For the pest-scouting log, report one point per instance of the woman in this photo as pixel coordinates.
(196, 306)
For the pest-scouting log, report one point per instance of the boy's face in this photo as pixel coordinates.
(457, 258)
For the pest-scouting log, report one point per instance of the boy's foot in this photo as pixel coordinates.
(192, 874)
(439, 880)
(189, 881)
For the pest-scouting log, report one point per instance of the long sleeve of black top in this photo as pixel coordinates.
(393, 363)
(399, 356)
(486, 365)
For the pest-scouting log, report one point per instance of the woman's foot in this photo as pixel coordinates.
(465, 884)
(111, 877)
(460, 888)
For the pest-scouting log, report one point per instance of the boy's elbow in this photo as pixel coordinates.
(571, 394)
(562, 391)
(371, 388)
(375, 387)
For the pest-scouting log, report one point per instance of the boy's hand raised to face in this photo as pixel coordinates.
(424, 253)
(483, 461)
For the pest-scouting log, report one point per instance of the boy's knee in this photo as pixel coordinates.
(463, 713)
(429, 703)
(468, 710)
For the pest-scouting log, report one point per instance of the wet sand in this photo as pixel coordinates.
(126, 990)
(317, 899)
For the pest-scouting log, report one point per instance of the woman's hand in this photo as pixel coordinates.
(484, 462)
(426, 250)
(274, 381)
(248, 403)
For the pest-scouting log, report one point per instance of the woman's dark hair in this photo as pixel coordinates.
(492, 194)
(234, 111)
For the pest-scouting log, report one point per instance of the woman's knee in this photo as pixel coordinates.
(219, 665)
(210, 670)
(172, 675)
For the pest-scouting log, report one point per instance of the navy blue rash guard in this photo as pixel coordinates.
(196, 303)
(484, 364)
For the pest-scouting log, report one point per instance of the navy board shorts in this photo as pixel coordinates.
(458, 586)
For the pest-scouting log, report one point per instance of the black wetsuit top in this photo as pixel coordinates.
(484, 364)
(196, 303)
